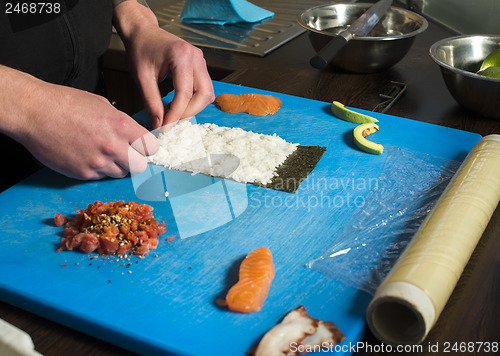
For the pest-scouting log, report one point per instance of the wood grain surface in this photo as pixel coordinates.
(471, 315)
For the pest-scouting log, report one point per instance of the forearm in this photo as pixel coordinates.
(18, 102)
(130, 16)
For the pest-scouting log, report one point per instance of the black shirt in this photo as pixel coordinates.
(63, 44)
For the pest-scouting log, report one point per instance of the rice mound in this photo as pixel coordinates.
(218, 151)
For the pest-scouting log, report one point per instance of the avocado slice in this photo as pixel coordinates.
(360, 133)
(339, 110)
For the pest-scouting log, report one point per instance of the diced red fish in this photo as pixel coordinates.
(60, 219)
(111, 228)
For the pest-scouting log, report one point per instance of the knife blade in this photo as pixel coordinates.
(359, 28)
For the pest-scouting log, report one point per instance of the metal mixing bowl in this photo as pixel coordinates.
(459, 58)
(382, 48)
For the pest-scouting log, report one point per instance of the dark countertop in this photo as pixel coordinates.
(471, 314)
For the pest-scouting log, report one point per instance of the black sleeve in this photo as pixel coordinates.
(64, 46)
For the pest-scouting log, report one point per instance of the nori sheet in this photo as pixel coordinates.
(296, 168)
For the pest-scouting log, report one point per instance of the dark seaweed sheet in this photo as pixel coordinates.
(296, 168)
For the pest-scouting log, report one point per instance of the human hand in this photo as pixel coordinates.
(153, 54)
(82, 135)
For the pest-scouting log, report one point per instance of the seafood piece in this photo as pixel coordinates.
(111, 228)
(60, 219)
(254, 104)
(255, 277)
(298, 331)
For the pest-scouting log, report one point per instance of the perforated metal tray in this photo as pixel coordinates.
(257, 38)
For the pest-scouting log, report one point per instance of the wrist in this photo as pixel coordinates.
(131, 17)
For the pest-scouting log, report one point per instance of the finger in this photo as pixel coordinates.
(137, 163)
(148, 85)
(203, 96)
(133, 162)
(89, 174)
(115, 171)
(135, 143)
(147, 144)
(182, 80)
(137, 136)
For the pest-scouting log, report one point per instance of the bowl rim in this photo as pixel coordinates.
(433, 55)
(421, 29)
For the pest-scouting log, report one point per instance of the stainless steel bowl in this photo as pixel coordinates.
(384, 46)
(459, 58)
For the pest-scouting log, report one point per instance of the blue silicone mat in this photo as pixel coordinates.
(166, 303)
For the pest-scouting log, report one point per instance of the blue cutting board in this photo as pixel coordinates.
(166, 302)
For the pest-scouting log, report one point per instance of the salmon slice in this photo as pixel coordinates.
(256, 275)
(254, 104)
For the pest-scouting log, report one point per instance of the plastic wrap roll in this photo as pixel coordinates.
(412, 296)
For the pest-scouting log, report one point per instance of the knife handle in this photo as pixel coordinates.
(328, 52)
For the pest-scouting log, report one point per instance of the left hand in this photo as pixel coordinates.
(153, 54)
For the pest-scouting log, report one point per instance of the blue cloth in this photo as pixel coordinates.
(220, 12)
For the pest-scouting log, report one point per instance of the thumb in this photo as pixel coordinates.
(152, 99)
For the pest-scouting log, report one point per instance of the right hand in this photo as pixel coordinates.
(154, 53)
(82, 135)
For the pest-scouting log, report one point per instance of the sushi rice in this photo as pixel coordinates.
(218, 151)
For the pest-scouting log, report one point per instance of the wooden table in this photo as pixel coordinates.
(471, 314)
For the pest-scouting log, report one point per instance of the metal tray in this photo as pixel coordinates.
(255, 38)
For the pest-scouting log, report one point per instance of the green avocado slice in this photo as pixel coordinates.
(339, 110)
(360, 133)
